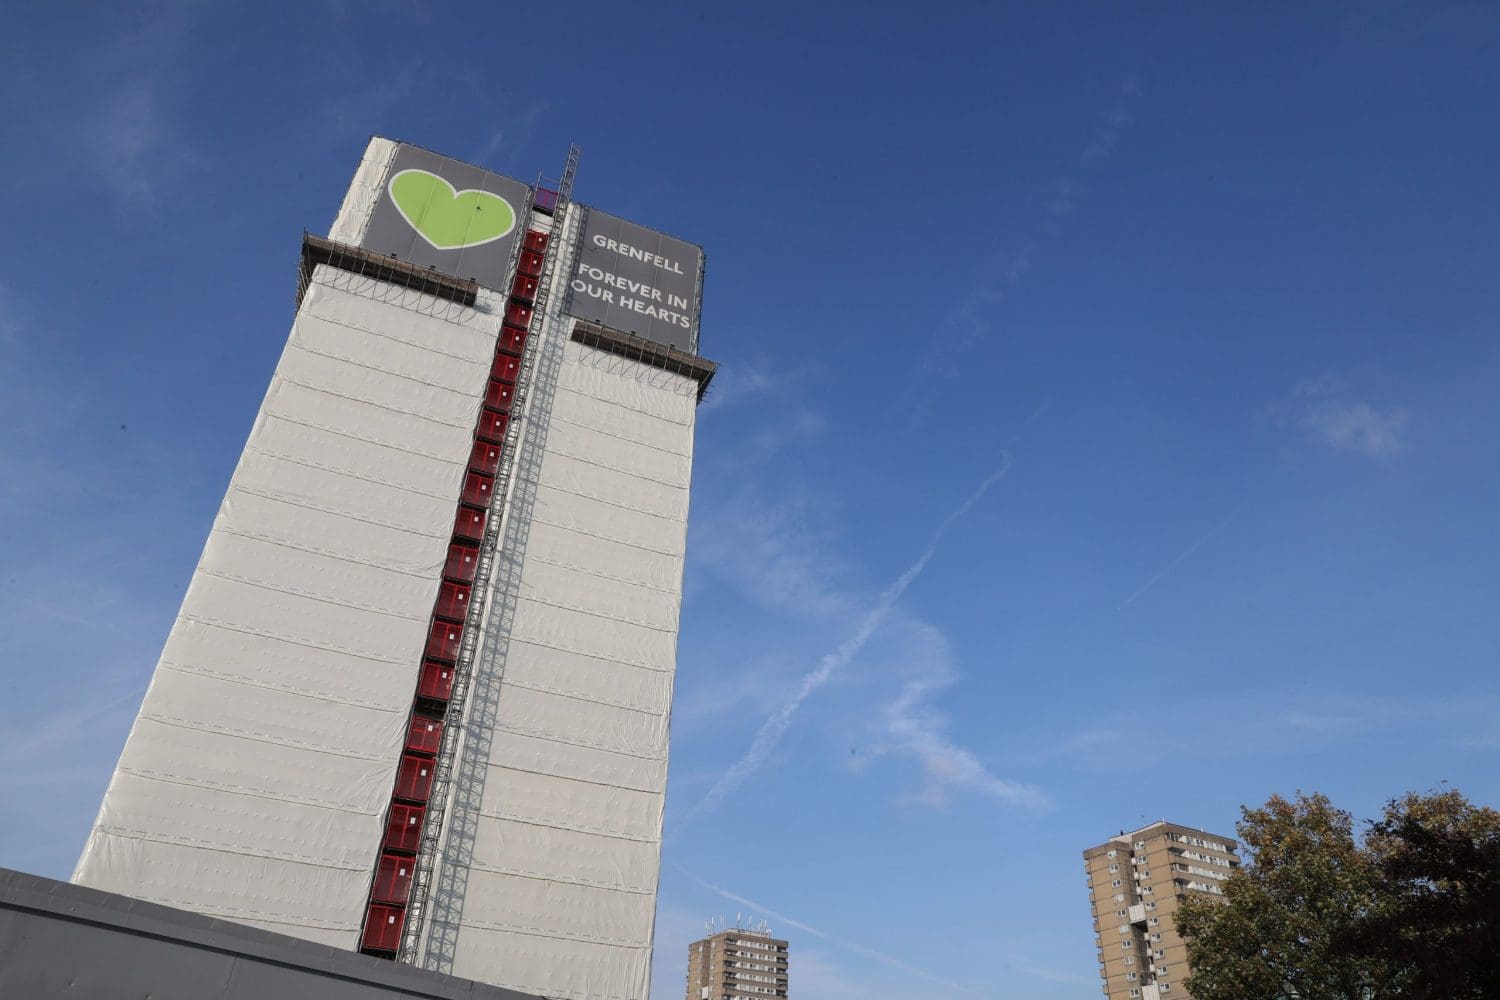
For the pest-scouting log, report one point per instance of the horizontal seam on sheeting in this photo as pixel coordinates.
(537, 734)
(565, 880)
(370, 402)
(409, 343)
(553, 935)
(595, 573)
(542, 484)
(616, 469)
(310, 595)
(270, 917)
(596, 656)
(256, 793)
(129, 833)
(618, 437)
(568, 777)
(347, 474)
(514, 640)
(252, 736)
(607, 538)
(476, 365)
(186, 668)
(575, 696)
(267, 633)
(672, 630)
(282, 498)
(553, 825)
(630, 409)
(314, 550)
(346, 434)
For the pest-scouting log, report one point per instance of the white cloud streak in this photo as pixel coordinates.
(920, 729)
(1177, 560)
(775, 727)
(859, 949)
(1323, 410)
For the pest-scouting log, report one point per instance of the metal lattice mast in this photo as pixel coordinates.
(433, 825)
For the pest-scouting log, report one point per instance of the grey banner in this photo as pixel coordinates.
(637, 280)
(438, 212)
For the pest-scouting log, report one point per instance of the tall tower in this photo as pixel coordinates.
(736, 965)
(1136, 881)
(416, 699)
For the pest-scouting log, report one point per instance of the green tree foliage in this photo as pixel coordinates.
(1412, 912)
(1438, 919)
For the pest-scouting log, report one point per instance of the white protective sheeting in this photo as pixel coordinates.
(561, 888)
(364, 191)
(254, 783)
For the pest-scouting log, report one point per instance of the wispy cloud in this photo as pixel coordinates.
(1325, 411)
(916, 726)
(775, 727)
(969, 322)
(864, 951)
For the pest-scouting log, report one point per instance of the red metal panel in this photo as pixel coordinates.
(518, 314)
(492, 424)
(403, 827)
(524, 288)
(530, 263)
(425, 734)
(499, 396)
(414, 778)
(383, 929)
(505, 368)
(436, 681)
(392, 879)
(469, 525)
(442, 641)
(513, 339)
(535, 241)
(453, 601)
(477, 489)
(462, 562)
(485, 457)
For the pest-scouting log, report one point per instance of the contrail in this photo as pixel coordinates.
(1169, 567)
(858, 949)
(775, 727)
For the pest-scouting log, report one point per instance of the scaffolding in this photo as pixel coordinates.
(401, 890)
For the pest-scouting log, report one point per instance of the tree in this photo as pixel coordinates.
(1438, 922)
(1413, 912)
(1281, 927)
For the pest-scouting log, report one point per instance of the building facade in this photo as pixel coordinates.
(1136, 882)
(416, 699)
(736, 965)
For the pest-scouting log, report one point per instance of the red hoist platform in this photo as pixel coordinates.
(390, 892)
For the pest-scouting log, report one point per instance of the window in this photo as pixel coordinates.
(1119, 897)
(1115, 884)
(1114, 868)
(1129, 959)
(1166, 987)
(1151, 906)
(1147, 891)
(1111, 854)
(1135, 992)
(1121, 913)
(1132, 976)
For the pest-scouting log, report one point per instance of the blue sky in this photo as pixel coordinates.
(1106, 428)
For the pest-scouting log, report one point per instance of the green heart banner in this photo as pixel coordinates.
(449, 219)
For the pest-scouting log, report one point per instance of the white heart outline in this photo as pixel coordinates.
(390, 190)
